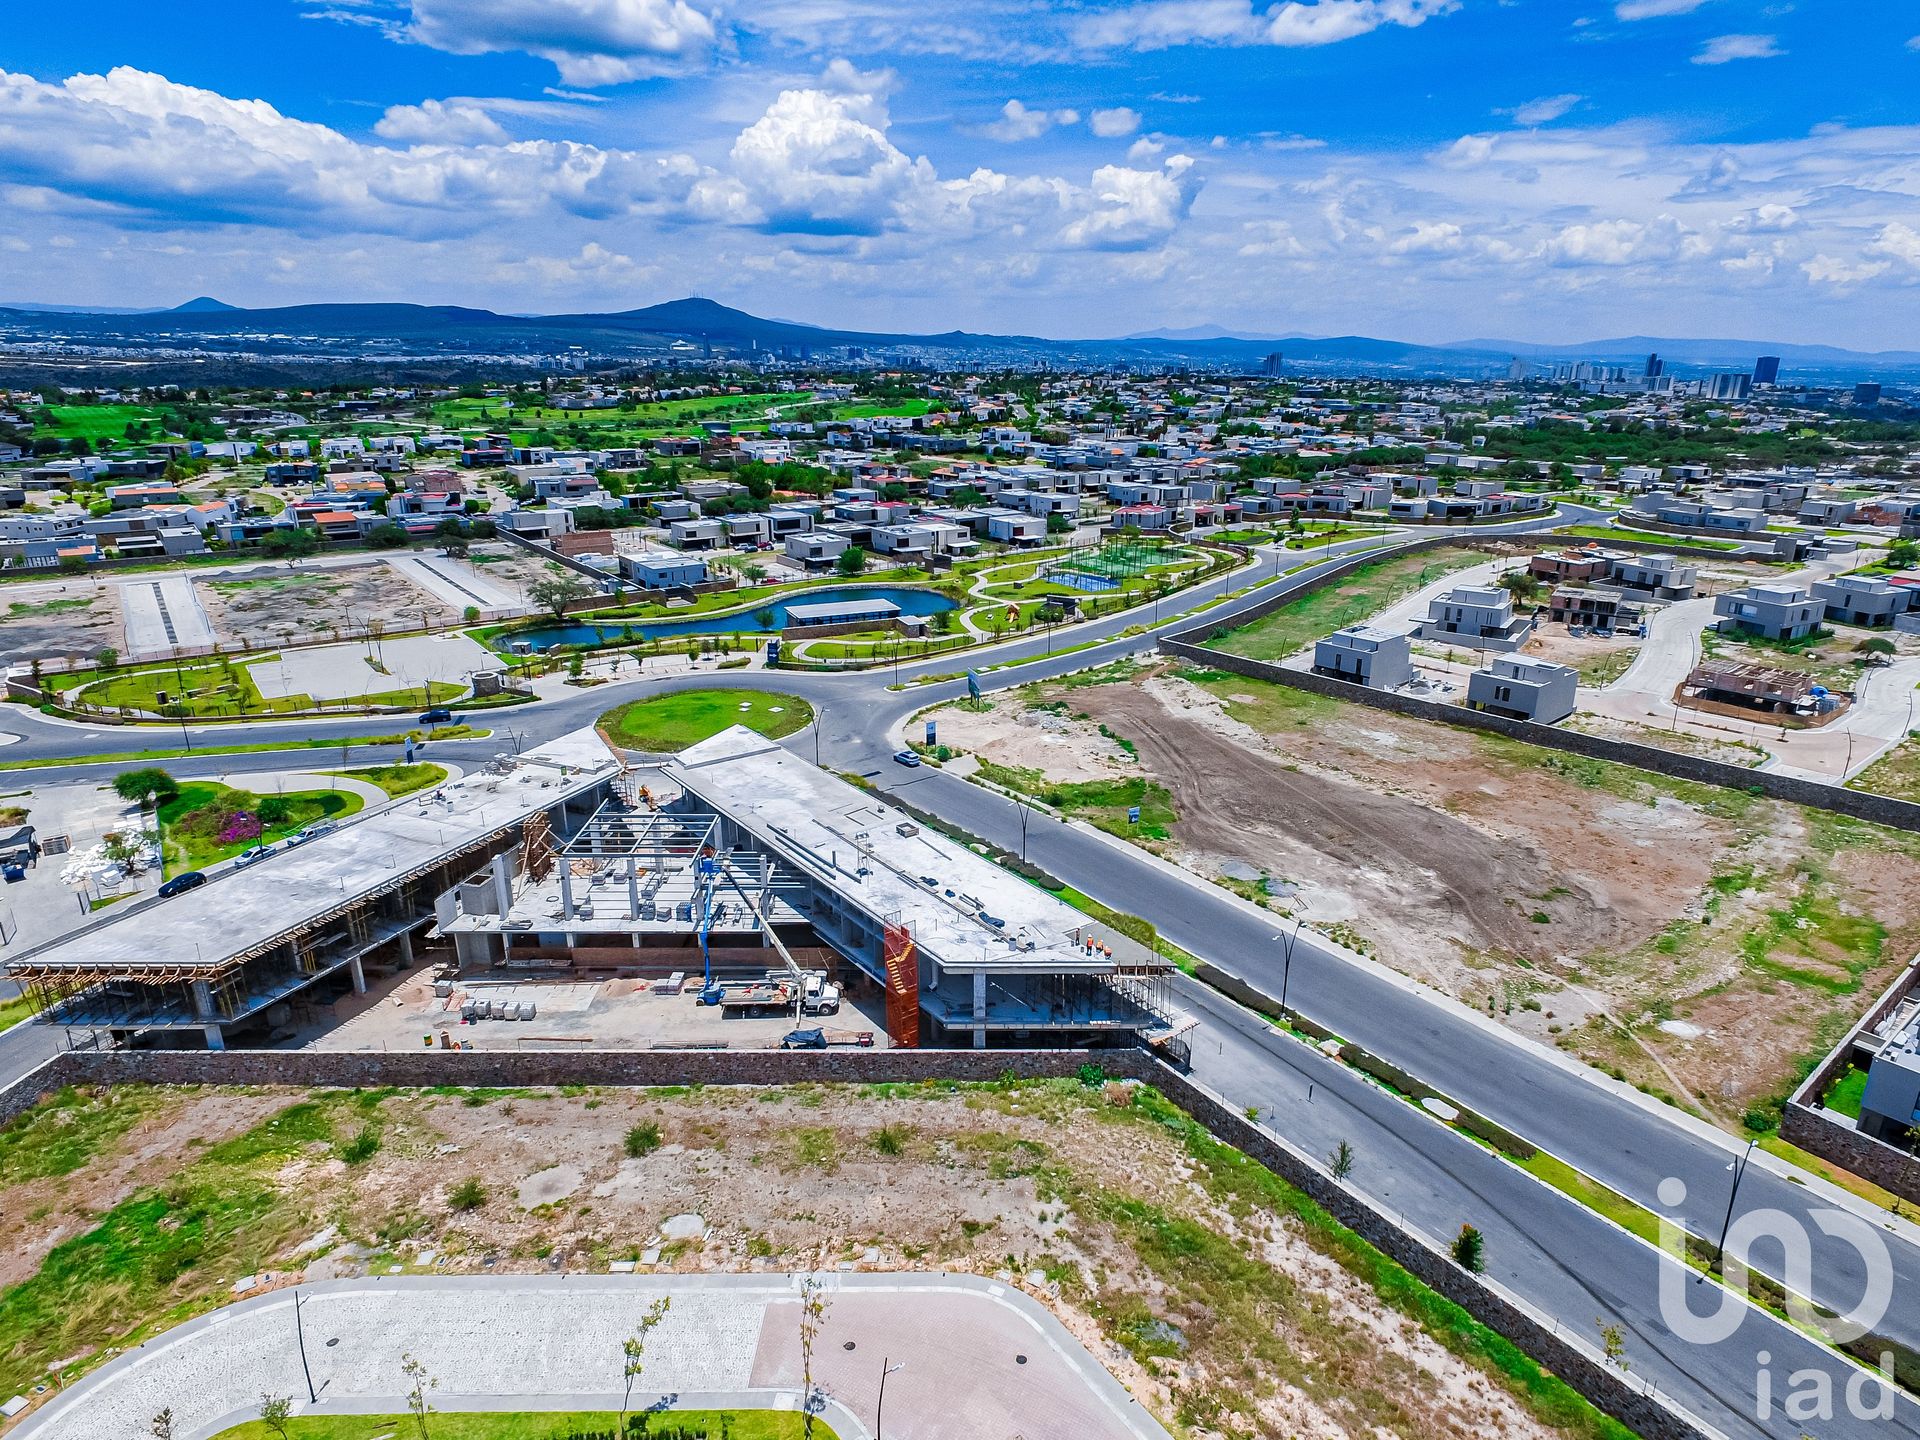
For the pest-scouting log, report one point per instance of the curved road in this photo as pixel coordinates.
(1560, 1257)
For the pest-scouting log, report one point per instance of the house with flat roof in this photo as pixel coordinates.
(1773, 610)
(656, 568)
(1521, 687)
(1663, 577)
(1477, 615)
(1365, 655)
(1870, 600)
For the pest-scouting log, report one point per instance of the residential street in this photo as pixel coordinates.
(1407, 1160)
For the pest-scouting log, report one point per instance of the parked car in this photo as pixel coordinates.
(437, 717)
(906, 758)
(313, 832)
(179, 885)
(253, 855)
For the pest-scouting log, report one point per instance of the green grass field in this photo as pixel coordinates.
(229, 689)
(1364, 593)
(686, 717)
(191, 821)
(97, 423)
(397, 780)
(537, 1425)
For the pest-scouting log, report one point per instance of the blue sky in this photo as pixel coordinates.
(1426, 169)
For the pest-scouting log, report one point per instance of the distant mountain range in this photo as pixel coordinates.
(675, 326)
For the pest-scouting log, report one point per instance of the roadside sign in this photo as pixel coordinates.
(1133, 815)
(973, 685)
(930, 733)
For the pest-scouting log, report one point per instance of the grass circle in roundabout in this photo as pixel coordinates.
(679, 718)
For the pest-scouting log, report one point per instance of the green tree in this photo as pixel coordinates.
(145, 788)
(556, 590)
(633, 1353)
(1469, 1249)
(852, 560)
(1904, 553)
(1340, 1162)
(813, 1318)
(419, 1383)
(275, 1411)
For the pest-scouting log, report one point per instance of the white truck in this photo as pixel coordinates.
(820, 997)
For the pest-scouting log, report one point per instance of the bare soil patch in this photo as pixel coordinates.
(42, 620)
(275, 606)
(1582, 903)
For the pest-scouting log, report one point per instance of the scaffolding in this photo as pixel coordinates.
(903, 987)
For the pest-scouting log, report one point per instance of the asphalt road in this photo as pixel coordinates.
(1559, 1256)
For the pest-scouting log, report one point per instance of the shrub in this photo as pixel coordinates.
(363, 1147)
(469, 1194)
(888, 1141)
(643, 1139)
(275, 810)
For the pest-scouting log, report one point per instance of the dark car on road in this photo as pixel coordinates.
(181, 883)
(437, 717)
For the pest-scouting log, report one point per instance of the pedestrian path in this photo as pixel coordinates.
(974, 1357)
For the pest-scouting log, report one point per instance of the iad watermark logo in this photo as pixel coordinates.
(1799, 1395)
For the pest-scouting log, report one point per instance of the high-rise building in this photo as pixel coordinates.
(1766, 370)
(1866, 392)
(1273, 364)
(1655, 367)
(1729, 385)
(1517, 368)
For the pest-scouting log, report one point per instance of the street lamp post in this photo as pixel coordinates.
(1021, 805)
(1286, 939)
(880, 1405)
(300, 1335)
(1739, 1169)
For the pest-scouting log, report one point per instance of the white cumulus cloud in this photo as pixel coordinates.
(590, 42)
(1112, 124)
(1128, 209)
(1019, 122)
(439, 122)
(1160, 24)
(1545, 110)
(1723, 49)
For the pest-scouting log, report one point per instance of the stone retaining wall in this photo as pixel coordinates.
(1610, 1390)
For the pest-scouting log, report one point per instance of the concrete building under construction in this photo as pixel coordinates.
(735, 860)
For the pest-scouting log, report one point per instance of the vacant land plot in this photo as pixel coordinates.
(278, 608)
(1367, 591)
(686, 717)
(1702, 942)
(39, 621)
(1226, 1301)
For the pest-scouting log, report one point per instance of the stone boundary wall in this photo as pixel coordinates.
(1879, 809)
(1805, 1123)
(1612, 1391)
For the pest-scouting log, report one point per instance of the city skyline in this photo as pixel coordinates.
(1434, 170)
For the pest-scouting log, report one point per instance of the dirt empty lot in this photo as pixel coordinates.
(1226, 1304)
(276, 606)
(1703, 942)
(40, 620)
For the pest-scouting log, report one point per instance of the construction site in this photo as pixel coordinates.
(736, 897)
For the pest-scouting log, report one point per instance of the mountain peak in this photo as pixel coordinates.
(202, 305)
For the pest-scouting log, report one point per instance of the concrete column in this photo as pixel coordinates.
(502, 884)
(633, 889)
(566, 890)
(358, 974)
(215, 1040)
(202, 998)
(980, 1009)
(405, 937)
